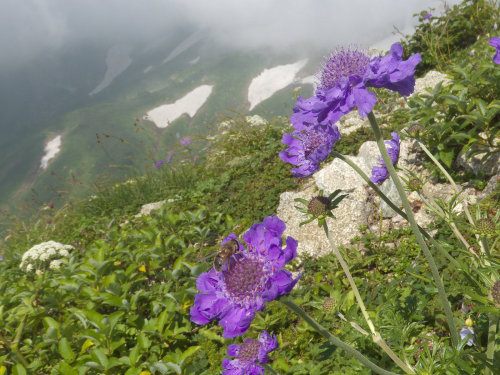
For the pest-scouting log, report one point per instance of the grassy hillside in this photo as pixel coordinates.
(119, 300)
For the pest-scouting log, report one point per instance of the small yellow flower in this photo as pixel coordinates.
(165, 344)
(142, 268)
(117, 263)
(469, 322)
(145, 373)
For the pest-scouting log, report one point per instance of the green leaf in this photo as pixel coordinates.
(65, 350)
(99, 356)
(188, 353)
(66, 369)
(18, 370)
(143, 341)
(134, 355)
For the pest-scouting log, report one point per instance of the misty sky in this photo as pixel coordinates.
(32, 27)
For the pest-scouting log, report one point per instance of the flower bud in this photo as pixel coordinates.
(318, 206)
(415, 130)
(468, 322)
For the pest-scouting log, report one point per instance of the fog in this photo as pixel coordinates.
(32, 27)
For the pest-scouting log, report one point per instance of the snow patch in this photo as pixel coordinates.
(272, 80)
(195, 60)
(184, 45)
(51, 149)
(189, 104)
(117, 61)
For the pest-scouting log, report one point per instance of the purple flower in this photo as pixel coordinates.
(472, 52)
(427, 16)
(467, 331)
(159, 163)
(495, 42)
(495, 26)
(254, 276)
(185, 141)
(344, 80)
(380, 173)
(248, 355)
(169, 157)
(308, 147)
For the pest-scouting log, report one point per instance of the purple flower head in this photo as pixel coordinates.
(159, 163)
(185, 141)
(472, 52)
(380, 173)
(248, 355)
(308, 147)
(253, 276)
(169, 157)
(495, 42)
(427, 16)
(495, 26)
(344, 80)
(467, 331)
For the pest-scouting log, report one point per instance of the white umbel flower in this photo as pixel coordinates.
(43, 255)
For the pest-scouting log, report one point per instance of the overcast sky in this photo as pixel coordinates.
(31, 27)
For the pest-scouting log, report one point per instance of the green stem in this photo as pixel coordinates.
(333, 339)
(375, 335)
(490, 349)
(269, 369)
(349, 277)
(420, 240)
(394, 207)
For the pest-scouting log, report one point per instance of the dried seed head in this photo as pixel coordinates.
(415, 184)
(495, 293)
(415, 130)
(329, 305)
(485, 227)
(318, 206)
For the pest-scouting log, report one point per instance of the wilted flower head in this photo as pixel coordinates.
(380, 173)
(344, 79)
(495, 42)
(249, 355)
(185, 141)
(253, 276)
(308, 146)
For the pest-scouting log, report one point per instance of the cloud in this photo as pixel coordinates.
(32, 27)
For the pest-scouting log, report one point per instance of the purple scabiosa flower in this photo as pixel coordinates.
(185, 141)
(427, 16)
(253, 276)
(159, 163)
(308, 147)
(467, 331)
(495, 42)
(380, 173)
(248, 355)
(344, 80)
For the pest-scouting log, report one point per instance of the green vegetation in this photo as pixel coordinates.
(119, 303)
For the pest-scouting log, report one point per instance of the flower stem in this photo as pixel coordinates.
(420, 240)
(349, 277)
(375, 335)
(333, 339)
(393, 206)
(490, 349)
(269, 369)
